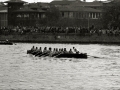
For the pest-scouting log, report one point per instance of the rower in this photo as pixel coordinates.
(70, 51)
(35, 51)
(45, 50)
(39, 52)
(59, 51)
(52, 52)
(33, 48)
(65, 51)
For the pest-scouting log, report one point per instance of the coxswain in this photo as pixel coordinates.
(75, 50)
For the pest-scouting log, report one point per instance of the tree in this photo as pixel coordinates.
(111, 15)
(52, 15)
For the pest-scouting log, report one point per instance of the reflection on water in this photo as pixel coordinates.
(21, 71)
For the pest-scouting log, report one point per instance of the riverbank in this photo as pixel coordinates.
(62, 38)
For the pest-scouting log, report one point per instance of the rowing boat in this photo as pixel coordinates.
(5, 43)
(60, 55)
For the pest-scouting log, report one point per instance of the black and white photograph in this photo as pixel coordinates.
(59, 44)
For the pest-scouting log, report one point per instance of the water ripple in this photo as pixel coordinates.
(21, 71)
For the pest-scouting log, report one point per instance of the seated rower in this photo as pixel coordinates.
(55, 51)
(45, 50)
(60, 51)
(35, 51)
(65, 51)
(39, 52)
(33, 48)
(70, 51)
(49, 51)
(40, 49)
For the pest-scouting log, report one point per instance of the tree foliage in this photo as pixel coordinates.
(111, 15)
(52, 15)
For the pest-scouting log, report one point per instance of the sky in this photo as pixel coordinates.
(45, 0)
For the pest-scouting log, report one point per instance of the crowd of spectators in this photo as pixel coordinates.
(52, 30)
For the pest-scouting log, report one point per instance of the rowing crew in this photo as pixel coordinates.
(49, 52)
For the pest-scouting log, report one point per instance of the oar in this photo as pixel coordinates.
(95, 56)
(47, 54)
(57, 55)
(38, 53)
(34, 52)
(41, 54)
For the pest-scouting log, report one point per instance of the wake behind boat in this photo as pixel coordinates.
(61, 53)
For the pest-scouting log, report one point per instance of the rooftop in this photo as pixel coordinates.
(61, 2)
(27, 9)
(79, 3)
(81, 9)
(15, 1)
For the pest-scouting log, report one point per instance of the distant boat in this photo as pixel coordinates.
(6, 42)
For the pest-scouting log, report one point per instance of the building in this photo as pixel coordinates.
(88, 13)
(22, 13)
(3, 18)
(3, 15)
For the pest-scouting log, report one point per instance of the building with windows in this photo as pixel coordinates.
(18, 12)
(3, 15)
(3, 18)
(86, 12)
(23, 14)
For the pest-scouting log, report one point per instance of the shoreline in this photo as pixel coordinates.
(62, 38)
(65, 42)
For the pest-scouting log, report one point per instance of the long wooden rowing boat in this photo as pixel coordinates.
(5, 43)
(60, 55)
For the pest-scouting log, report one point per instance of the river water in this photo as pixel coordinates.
(21, 71)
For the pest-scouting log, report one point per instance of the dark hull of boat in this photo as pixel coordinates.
(82, 55)
(5, 43)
